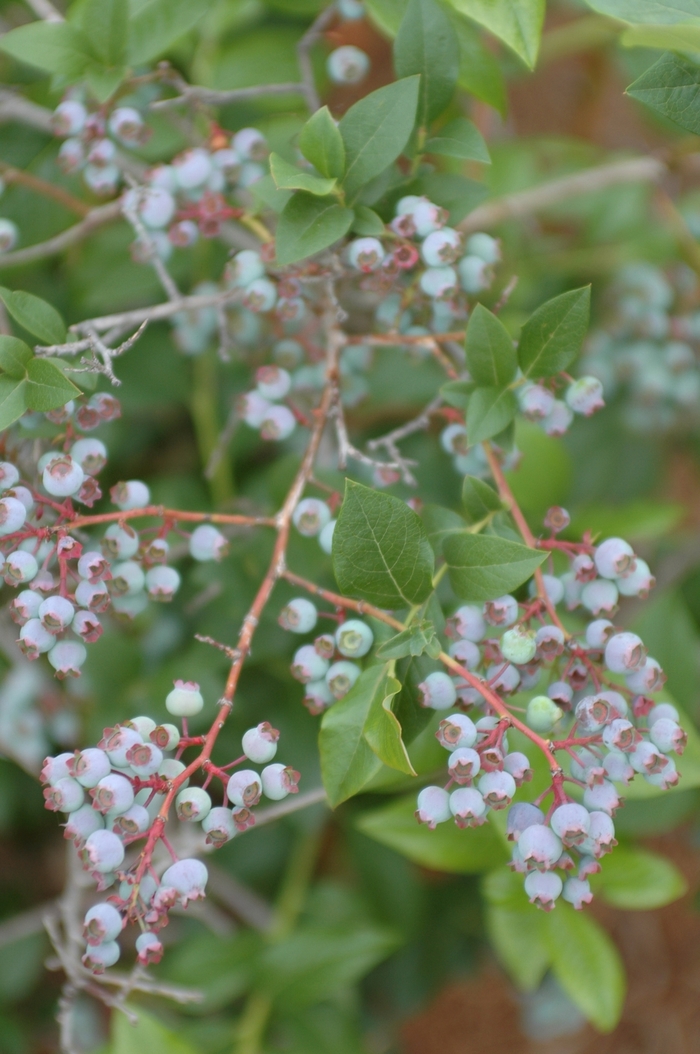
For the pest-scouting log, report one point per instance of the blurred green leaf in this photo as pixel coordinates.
(489, 411)
(47, 386)
(307, 225)
(440, 523)
(444, 849)
(678, 37)
(56, 47)
(380, 549)
(322, 144)
(586, 964)
(671, 87)
(479, 499)
(552, 337)
(491, 358)
(13, 400)
(637, 880)
(479, 71)
(518, 23)
(14, 357)
(544, 474)
(519, 941)
(641, 520)
(375, 131)
(483, 567)
(664, 11)
(147, 1035)
(156, 24)
(36, 315)
(460, 138)
(104, 23)
(221, 966)
(367, 222)
(21, 967)
(426, 44)
(289, 177)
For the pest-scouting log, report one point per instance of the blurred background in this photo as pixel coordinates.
(390, 954)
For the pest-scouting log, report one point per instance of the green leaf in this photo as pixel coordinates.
(671, 87)
(587, 965)
(679, 37)
(104, 23)
(479, 71)
(367, 222)
(483, 567)
(637, 880)
(47, 386)
(36, 315)
(664, 11)
(267, 195)
(518, 23)
(289, 177)
(347, 760)
(383, 730)
(315, 962)
(552, 336)
(12, 400)
(457, 393)
(519, 941)
(375, 130)
(479, 499)
(56, 47)
(307, 225)
(104, 82)
(148, 1034)
(491, 358)
(156, 24)
(440, 523)
(14, 356)
(322, 144)
(418, 638)
(427, 44)
(489, 411)
(380, 549)
(457, 194)
(444, 849)
(460, 138)
(642, 520)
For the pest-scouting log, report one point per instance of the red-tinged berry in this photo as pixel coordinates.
(65, 795)
(103, 852)
(188, 878)
(278, 781)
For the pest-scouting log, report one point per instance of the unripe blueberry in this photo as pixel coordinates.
(278, 781)
(67, 657)
(665, 710)
(188, 878)
(601, 836)
(599, 632)
(621, 735)
(365, 254)
(318, 697)
(474, 274)
(550, 642)
(185, 700)
(94, 596)
(65, 795)
(646, 678)
(617, 767)
(668, 735)
(192, 804)
(144, 758)
(9, 235)
(463, 764)
(310, 516)
(87, 626)
(453, 440)
(625, 652)
(9, 475)
(439, 283)
(521, 816)
(468, 807)
(497, 788)
(90, 454)
(20, 567)
(24, 495)
(12, 515)
(325, 537)
(62, 476)
(127, 579)
(260, 743)
(165, 736)
(571, 822)
(192, 168)
(273, 382)
(341, 677)
(130, 494)
(535, 401)
(585, 396)
(553, 587)
(244, 268)
(93, 566)
(347, 65)
(206, 543)
(103, 851)
(468, 622)
(101, 153)
(603, 797)
(308, 665)
(260, 295)
(68, 118)
(218, 826)
(614, 558)
(668, 777)
(354, 638)
(117, 742)
(483, 245)
(518, 645)
(433, 806)
(149, 949)
(577, 892)
(561, 692)
(250, 144)
(456, 731)
(25, 606)
(102, 179)
(441, 247)
(89, 766)
(278, 423)
(244, 788)
(543, 889)
(102, 923)
(299, 616)
(539, 847)
(34, 640)
(113, 792)
(637, 583)
(467, 653)
(155, 205)
(56, 614)
(71, 156)
(542, 714)
(593, 712)
(437, 691)
(504, 678)
(501, 612)
(134, 820)
(518, 765)
(81, 823)
(600, 596)
(55, 769)
(127, 124)
(162, 583)
(426, 216)
(647, 758)
(101, 957)
(325, 645)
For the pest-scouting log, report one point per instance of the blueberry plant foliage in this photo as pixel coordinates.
(456, 650)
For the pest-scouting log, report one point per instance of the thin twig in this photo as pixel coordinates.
(129, 209)
(97, 217)
(313, 33)
(10, 174)
(209, 97)
(156, 312)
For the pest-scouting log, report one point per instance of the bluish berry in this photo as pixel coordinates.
(354, 638)
(521, 816)
(456, 731)
(585, 396)
(577, 892)
(602, 797)
(550, 642)
(89, 766)
(273, 382)
(519, 767)
(439, 283)
(67, 657)
(468, 807)
(646, 678)
(218, 826)
(433, 806)
(598, 633)
(131, 494)
(621, 735)
(571, 822)
(468, 622)
(466, 653)
(185, 700)
(162, 583)
(341, 676)
(310, 516)
(474, 274)
(484, 246)
(308, 665)
(637, 583)
(192, 804)
(503, 611)
(437, 691)
(668, 736)
(464, 764)
(614, 557)
(543, 889)
(441, 247)
(99, 958)
(113, 793)
(145, 759)
(299, 616)
(103, 851)
(64, 795)
(207, 543)
(12, 515)
(278, 781)
(244, 788)
(260, 743)
(497, 788)
(539, 846)
(188, 878)
(624, 652)
(600, 596)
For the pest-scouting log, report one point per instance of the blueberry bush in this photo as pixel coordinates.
(329, 531)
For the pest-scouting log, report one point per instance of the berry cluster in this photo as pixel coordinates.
(120, 792)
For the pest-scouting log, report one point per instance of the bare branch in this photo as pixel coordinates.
(209, 97)
(313, 33)
(98, 217)
(15, 107)
(129, 210)
(156, 312)
(290, 805)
